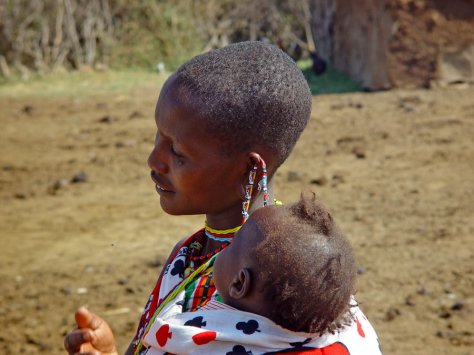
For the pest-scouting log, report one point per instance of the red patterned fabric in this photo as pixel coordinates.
(157, 295)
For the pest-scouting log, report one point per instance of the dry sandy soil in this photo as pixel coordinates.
(80, 221)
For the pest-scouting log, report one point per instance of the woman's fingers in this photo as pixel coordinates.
(87, 319)
(74, 340)
(92, 336)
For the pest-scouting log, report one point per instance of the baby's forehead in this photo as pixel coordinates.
(262, 223)
(268, 214)
(263, 228)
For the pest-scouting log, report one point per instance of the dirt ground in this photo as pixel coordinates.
(422, 31)
(80, 221)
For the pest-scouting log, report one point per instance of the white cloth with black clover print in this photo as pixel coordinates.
(221, 329)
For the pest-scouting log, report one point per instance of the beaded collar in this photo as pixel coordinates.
(222, 235)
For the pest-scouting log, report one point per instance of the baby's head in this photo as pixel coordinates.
(291, 265)
(249, 95)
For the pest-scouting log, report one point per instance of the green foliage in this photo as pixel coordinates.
(150, 31)
(43, 36)
(330, 82)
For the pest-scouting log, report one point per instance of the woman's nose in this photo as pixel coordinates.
(156, 161)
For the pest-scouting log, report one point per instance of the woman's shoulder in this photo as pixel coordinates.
(184, 242)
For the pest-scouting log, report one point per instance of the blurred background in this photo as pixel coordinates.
(379, 44)
(389, 150)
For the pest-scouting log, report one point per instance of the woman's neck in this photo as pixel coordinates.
(232, 217)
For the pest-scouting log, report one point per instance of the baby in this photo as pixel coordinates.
(284, 285)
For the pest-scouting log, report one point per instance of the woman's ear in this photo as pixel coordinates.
(253, 159)
(240, 286)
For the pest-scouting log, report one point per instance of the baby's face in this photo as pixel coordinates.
(235, 257)
(232, 259)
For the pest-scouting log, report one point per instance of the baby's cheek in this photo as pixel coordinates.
(217, 275)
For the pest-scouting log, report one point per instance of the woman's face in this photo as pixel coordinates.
(191, 172)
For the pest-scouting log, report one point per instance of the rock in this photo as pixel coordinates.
(409, 300)
(409, 109)
(444, 334)
(412, 99)
(392, 313)
(80, 177)
(456, 66)
(82, 291)
(457, 306)
(294, 176)
(356, 105)
(101, 106)
(358, 152)
(321, 181)
(447, 289)
(348, 103)
(55, 185)
(422, 291)
(28, 109)
(338, 178)
(20, 195)
(445, 314)
(108, 119)
(409, 103)
(136, 114)
(122, 281)
(337, 106)
(126, 143)
(155, 263)
(65, 290)
(34, 340)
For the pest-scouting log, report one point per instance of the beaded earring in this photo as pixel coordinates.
(262, 185)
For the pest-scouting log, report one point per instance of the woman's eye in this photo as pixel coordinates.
(173, 150)
(179, 157)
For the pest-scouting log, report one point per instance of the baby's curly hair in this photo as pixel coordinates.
(306, 269)
(250, 94)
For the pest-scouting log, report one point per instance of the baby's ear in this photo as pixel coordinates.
(240, 286)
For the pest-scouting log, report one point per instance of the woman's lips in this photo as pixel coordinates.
(160, 187)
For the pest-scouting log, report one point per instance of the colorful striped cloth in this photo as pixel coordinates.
(173, 274)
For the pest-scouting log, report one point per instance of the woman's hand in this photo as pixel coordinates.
(93, 336)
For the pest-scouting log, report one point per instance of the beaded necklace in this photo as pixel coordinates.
(222, 235)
